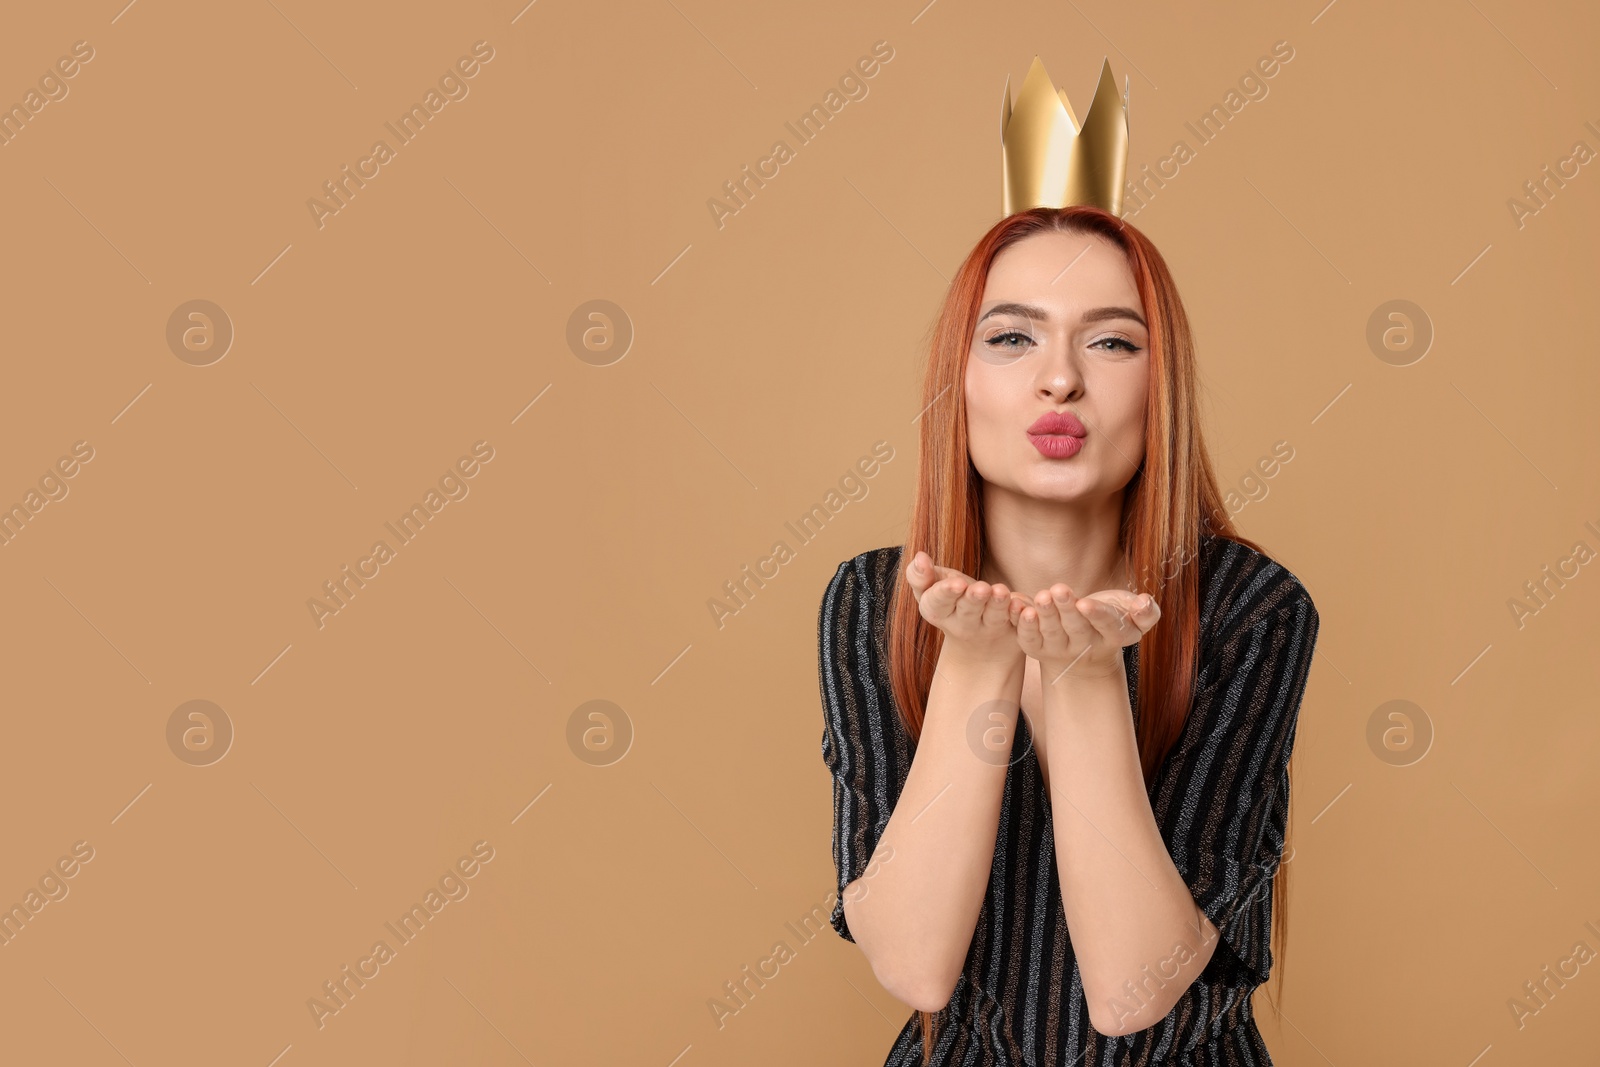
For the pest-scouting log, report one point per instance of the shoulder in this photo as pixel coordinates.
(871, 573)
(856, 602)
(852, 627)
(1240, 587)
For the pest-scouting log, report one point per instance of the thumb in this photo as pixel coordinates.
(1144, 612)
(919, 573)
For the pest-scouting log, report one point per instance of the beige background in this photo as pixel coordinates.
(768, 356)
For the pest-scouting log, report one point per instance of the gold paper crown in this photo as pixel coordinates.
(1049, 160)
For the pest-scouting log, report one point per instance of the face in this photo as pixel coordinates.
(1061, 332)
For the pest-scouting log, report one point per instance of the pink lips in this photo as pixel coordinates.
(1057, 434)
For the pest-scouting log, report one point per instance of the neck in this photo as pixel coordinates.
(1031, 544)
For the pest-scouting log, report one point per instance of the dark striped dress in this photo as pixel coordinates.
(1220, 799)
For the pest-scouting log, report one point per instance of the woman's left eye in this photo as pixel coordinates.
(1127, 345)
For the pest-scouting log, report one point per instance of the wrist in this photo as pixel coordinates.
(1079, 675)
(962, 664)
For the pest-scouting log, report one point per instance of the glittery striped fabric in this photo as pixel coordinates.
(1220, 799)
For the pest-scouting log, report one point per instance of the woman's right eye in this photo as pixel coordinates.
(1010, 340)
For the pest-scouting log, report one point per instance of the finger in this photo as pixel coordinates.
(940, 600)
(1108, 620)
(991, 607)
(974, 599)
(1123, 616)
(1055, 612)
(1136, 611)
(947, 572)
(919, 573)
(922, 572)
(1028, 635)
(1125, 601)
(1033, 612)
(996, 610)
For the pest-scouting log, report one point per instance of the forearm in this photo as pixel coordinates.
(1127, 906)
(915, 919)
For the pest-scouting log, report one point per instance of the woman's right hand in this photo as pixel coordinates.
(978, 619)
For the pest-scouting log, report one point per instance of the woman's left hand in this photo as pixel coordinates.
(1082, 637)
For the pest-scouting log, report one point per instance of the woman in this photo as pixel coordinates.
(1059, 718)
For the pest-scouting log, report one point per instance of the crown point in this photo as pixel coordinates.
(1049, 158)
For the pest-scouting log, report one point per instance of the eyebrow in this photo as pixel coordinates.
(1092, 315)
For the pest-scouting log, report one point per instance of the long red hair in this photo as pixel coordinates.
(1169, 502)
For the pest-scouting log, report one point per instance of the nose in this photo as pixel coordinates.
(1060, 379)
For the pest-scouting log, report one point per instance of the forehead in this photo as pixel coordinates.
(1062, 272)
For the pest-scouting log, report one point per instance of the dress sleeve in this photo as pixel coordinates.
(864, 743)
(1224, 790)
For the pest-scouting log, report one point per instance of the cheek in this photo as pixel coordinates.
(1137, 419)
(985, 416)
(985, 400)
(1136, 396)
(1131, 398)
(976, 400)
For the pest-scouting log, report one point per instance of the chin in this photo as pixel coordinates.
(1061, 487)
